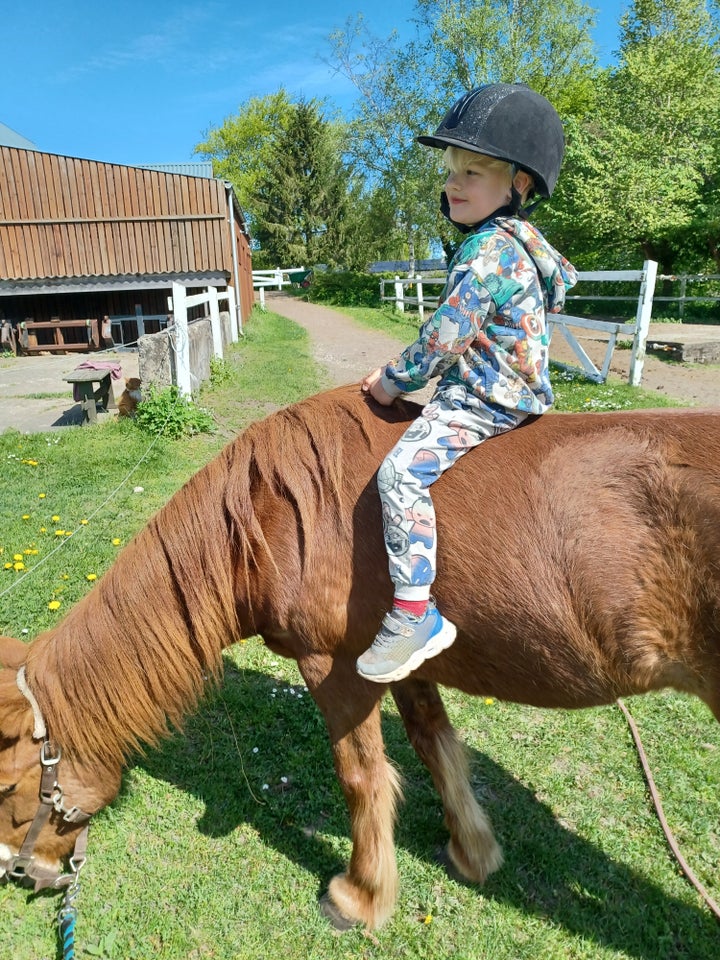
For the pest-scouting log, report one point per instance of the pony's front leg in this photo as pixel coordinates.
(367, 891)
(472, 850)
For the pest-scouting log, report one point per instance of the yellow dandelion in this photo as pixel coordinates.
(18, 565)
(91, 576)
(43, 529)
(84, 522)
(53, 605)
(8, 566)
(30, 552)
(59, 533)
(41, 496)
(17, 556)
(64, 576)
(26, 516)
(488, 701)
(428, 919)
(116, 541)
(55, 518)
(68, 533)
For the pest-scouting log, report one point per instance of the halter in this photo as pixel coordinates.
(22, 866)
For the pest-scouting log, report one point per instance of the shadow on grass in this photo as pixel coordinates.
(549, 872)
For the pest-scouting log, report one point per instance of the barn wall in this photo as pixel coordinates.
(67, 217)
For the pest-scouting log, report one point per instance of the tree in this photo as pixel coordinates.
(241, 148)
(301, 197)
(645, 162)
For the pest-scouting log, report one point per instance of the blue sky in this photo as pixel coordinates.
(141, 81)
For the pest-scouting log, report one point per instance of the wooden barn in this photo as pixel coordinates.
(88, 247)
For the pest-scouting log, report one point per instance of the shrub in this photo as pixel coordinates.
(170, 414)
(345, 289)
(221, 371)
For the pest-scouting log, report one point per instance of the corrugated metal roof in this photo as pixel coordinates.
(106, 284)
(9, 138)
(199, 168)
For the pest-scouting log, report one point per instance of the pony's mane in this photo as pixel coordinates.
(134, 655)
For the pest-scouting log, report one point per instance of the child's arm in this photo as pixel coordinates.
(443, 337)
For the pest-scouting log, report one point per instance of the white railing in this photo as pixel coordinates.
(277, 279)
(684, 279)
(636, 329)
(179, 304)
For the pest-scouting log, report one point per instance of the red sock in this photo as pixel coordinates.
(416, 607)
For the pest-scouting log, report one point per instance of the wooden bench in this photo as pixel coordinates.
(28, 338)
(89, 395)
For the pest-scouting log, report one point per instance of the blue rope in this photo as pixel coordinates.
(67, 918)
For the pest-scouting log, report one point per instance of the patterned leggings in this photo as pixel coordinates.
(452, 423)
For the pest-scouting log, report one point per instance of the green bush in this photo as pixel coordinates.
(170, 414)
(221, 371)
(345, 289)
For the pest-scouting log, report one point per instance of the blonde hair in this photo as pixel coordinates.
(456, 159)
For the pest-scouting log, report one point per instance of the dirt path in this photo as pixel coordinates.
(349, 351)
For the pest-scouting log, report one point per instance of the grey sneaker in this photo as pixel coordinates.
(403, 643)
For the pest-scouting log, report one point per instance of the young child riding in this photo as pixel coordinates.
(487, 342)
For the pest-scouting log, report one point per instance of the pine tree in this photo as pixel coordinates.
(301, 200)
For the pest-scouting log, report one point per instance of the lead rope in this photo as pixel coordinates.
(684, 866)
(67, 915)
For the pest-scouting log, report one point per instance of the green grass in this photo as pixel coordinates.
(222, 839)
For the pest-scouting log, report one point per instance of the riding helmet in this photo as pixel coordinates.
(508, 121)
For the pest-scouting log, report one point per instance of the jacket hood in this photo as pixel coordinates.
(556, 273)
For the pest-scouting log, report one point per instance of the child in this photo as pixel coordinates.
(487, 342)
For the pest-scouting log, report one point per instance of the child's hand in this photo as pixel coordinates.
(372, 385)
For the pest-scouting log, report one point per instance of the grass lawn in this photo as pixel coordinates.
(222, 840)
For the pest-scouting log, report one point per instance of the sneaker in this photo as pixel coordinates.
(403, 643)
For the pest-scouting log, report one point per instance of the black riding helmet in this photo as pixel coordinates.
(508, 121)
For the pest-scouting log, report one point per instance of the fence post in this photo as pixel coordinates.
(399, 295)
(182, 340)
(235, 316)
(278, 278)
(683, 291)
(215, 321)
(419, 292)
(642, 322)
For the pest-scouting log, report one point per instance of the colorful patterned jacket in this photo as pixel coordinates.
(489, 332)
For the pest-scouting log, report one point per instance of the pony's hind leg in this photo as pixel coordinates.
(472, 850)
(367, 891)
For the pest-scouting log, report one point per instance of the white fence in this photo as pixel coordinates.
(179, 304)
(277, 279)
(693, 279)
(637, 330)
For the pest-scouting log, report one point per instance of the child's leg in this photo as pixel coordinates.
(449, 426)
(444, 432)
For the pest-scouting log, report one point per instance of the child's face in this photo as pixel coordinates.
(475, 190)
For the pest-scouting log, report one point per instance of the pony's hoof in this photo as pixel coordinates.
(330, 910)
(443, 858)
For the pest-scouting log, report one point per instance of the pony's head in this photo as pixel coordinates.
(46, 800)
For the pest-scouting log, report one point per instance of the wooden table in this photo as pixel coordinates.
(90, 395)
(28, 329)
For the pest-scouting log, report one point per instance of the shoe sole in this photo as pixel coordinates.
(441, 641)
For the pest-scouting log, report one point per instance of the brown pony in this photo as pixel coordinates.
(579, 557)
